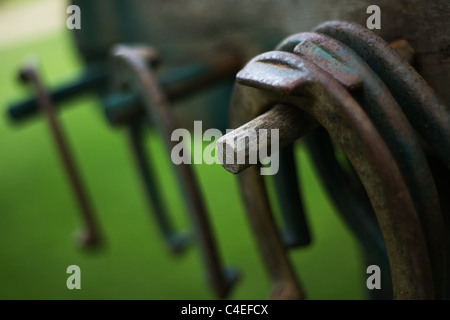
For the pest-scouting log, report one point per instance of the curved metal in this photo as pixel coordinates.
(177, 241)
(353, 206)
(285, 284)
(90, 234)
(133, 69)
(125, 108)
(128, 113)
(295, 232)
(348, 194)
(428, 115)
(278, 77)
(354, 74)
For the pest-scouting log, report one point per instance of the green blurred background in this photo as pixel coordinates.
(38, 215)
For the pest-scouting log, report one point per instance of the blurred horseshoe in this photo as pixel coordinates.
(125, 109)
(177, 241)
(133, 67)
(90, 235)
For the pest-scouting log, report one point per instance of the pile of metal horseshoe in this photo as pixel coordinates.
(341, 88)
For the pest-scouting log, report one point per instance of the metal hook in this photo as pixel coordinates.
(133, 70)
(89, 237)
(176, 241)
(295, 231)
(285, 284)
(125, 108)
(428, 115)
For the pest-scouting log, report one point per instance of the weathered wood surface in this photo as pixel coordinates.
(290, 122)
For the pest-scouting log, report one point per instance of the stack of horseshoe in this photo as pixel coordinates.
(344, 88)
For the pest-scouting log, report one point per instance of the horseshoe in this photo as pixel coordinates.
(354, 74)
(134, 70)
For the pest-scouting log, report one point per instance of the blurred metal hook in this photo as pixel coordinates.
(177, 241)
(133, 67)
(125, 109)
(89, 236)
